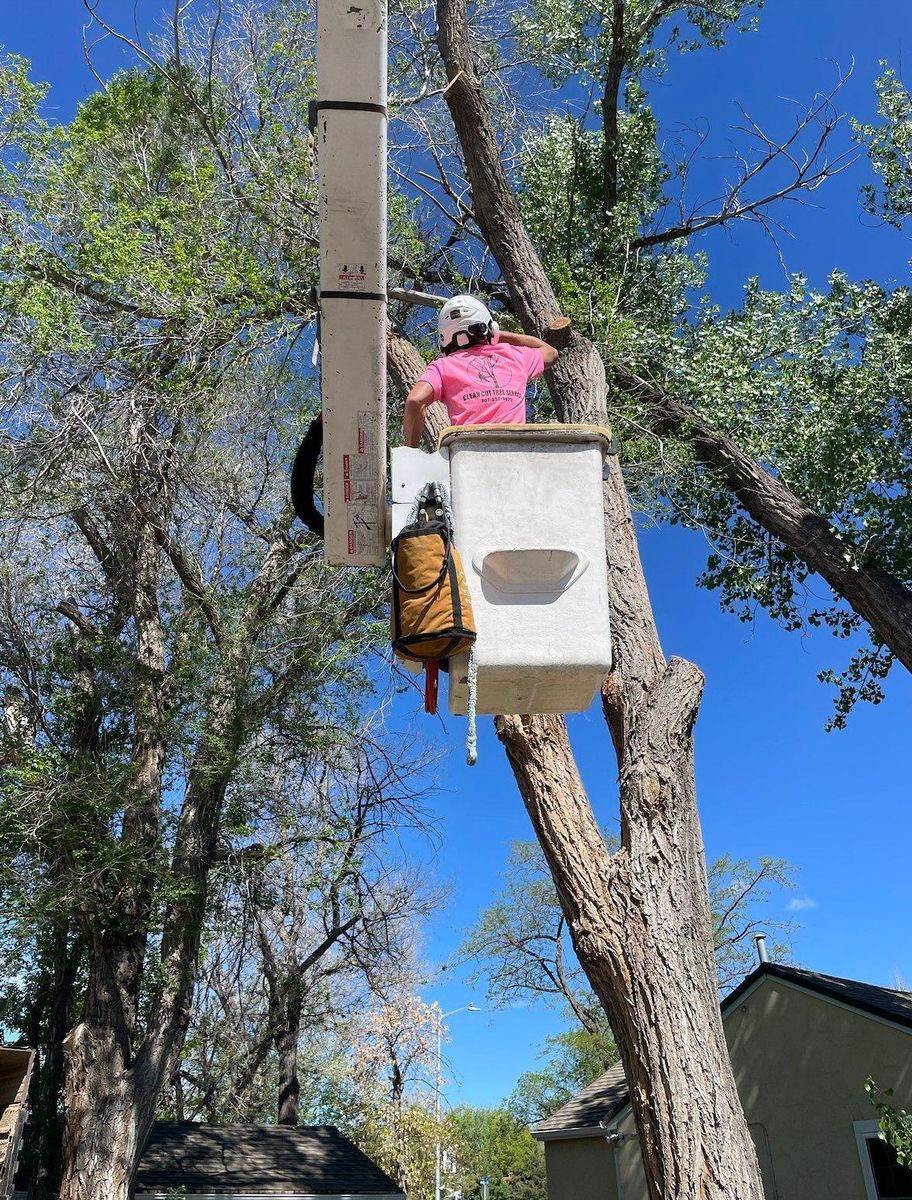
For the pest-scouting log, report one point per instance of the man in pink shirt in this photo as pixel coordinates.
(483, 374)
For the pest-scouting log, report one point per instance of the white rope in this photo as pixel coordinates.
(433, 493)
(472, 734)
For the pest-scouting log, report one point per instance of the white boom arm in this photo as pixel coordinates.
(351, 148)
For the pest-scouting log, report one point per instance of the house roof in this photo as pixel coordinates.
(598, 1102)
(603, 1099)
(285, 1160)
(883, 1002)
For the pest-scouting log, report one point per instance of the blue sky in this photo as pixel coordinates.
(771, 781)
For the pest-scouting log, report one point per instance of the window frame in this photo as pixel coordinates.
(866, 1131)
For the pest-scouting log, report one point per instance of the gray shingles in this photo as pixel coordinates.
(598, 1101)
(310, 1160)
(879, 1001)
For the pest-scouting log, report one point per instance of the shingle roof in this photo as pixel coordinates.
(253, 1159)
(884, 1002)
(600, 1101)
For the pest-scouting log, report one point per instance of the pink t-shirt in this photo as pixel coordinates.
(485, 385)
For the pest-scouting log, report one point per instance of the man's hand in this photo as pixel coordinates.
(549, 354)
(416, 403)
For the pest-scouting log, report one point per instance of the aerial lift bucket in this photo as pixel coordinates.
(529, 525)
(527, 500)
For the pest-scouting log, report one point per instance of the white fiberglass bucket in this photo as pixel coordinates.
(529, 525)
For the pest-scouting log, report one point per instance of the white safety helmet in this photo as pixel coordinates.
(464, 321)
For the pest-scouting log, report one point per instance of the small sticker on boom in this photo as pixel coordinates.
(350, 277)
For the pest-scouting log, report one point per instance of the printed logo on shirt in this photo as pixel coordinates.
(486, 373)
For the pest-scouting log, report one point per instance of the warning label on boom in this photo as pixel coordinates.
(350, 277)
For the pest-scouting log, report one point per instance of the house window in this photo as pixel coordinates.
(884, 1178)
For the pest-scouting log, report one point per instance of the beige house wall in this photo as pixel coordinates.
(580, 1169)
(800, 1063)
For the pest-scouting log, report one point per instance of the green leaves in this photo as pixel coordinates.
(895, 1123)
(574, 38)
(490, 1143)
(890, 146)
(813, 385)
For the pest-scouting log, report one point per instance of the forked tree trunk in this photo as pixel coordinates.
(639, 918)
(107, 1118)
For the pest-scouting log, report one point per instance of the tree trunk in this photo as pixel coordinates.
(641, 929)
(48, 1023)
(107, 1118)
(289, 1084)
(610, 100)
(113, 1089)
(286, 1044)
(640, 918)
(107, 1114)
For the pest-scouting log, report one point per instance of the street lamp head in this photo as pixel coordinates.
(473, 1008)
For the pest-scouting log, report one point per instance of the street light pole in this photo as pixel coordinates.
(438, 1088)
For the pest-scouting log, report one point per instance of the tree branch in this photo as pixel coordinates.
(881, 599)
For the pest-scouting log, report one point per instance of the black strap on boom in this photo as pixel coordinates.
(315, 106)
(302, 477)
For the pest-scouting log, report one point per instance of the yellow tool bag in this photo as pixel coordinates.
(431, 611)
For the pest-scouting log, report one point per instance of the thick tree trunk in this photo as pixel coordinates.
(640, 925)
(108, 1112)
(48, 1024)
(286, 1043)
(640, 918)
(107, 1117)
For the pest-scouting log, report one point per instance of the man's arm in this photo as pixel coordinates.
(549, 354)
(416, 403)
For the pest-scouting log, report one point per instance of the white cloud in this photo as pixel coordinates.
(801, 903)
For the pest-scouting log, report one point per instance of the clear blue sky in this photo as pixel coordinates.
(770, 780)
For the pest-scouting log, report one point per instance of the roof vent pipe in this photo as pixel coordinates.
(760, 939)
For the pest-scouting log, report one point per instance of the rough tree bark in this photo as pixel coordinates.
(49, 1020)
(640, 918)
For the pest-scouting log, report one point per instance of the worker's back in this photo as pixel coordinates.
(485, 384)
